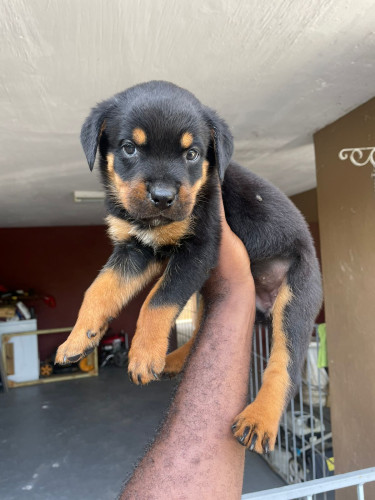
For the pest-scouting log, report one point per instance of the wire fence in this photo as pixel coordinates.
(303, 448)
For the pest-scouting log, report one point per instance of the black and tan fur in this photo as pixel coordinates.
(160, 155)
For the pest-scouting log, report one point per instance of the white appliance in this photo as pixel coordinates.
(25, 349)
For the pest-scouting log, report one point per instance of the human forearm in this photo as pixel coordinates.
(195, 454)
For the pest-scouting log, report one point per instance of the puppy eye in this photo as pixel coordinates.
(192, 155)
(129, 149)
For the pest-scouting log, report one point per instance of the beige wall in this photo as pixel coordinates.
(346, 202)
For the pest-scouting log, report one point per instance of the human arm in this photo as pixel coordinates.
(195, 454)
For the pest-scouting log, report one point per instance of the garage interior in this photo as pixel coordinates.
(295, 85)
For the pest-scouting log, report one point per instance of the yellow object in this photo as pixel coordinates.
(322, 354)
(46, 370)
(7, 311)
(86, 364)
(330, 464)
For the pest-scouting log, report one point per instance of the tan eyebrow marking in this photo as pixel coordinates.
(186, 140)
(139, 136)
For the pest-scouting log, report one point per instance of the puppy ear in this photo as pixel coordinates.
(92, 130)
(220, 148)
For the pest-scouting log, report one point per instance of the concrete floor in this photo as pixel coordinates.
(79, 439)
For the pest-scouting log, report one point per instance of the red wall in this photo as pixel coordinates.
(60, 261)
(63, 261)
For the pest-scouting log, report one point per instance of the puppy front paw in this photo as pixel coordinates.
(145, 366)
(81, 342)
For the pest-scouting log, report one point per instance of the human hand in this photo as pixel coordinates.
(233, 267)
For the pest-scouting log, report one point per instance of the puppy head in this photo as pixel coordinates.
(157, 146)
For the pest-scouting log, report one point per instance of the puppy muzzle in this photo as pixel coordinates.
(161, 195)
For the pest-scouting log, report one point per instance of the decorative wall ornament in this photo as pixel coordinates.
(360, 157)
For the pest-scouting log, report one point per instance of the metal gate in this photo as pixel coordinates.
(319, 486)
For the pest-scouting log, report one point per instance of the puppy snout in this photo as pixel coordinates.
(162, 196)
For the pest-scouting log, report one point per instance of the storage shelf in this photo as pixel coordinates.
(53, 378)
(7, 337)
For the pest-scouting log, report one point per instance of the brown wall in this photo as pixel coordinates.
(307, 203)
(346, 199)
(60, 261)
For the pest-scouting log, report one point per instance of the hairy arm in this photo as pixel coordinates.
(195, 454)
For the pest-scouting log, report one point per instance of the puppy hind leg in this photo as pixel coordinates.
(294, 311)
(256, 426)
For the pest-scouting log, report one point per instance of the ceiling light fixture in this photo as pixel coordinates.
(88, 196)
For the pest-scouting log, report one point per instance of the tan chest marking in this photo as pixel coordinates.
(173, 233)
(118, 230)
(163, 235)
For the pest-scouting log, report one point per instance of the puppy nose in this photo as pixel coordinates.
(162, 196)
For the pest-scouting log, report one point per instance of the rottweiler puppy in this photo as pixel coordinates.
(161, 153)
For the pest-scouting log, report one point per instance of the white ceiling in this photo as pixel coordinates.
(277, 71)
